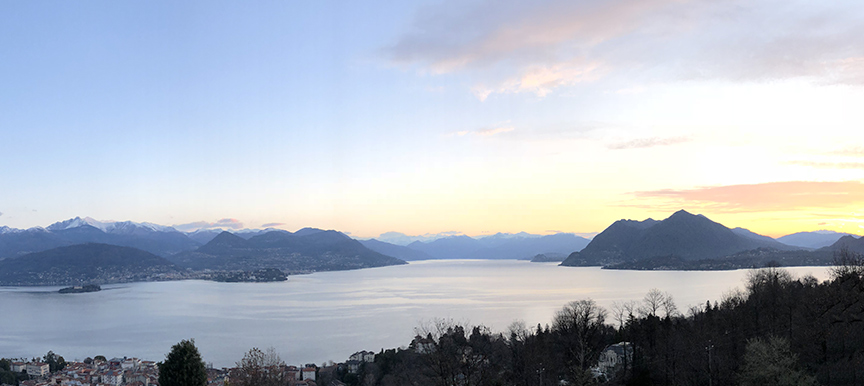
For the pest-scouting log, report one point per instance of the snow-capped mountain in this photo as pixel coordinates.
(115, 227)
(157, 239)
(75, 223)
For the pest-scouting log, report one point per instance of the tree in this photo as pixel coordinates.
(54, 361)
(847, 263)
(260, 368)
(183, 366)
(655, 300)
(580, 326)
(100, 358)
(771, 362)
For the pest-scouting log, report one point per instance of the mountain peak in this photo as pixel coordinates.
(308, 231)
(223, 243)
(683, 214)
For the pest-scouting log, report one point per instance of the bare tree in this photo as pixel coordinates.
(518, 331)
(580, 324)
(847, 263)
(652, 302)
(260, 368)
(623, 311)
(669, 307)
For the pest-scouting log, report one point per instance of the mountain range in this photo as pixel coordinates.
(690, 241)
(687, 241)
(89, 263)
(307, 250)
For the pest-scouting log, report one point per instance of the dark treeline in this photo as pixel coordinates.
(780, 331)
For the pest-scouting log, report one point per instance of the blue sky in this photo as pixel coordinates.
(426, 117)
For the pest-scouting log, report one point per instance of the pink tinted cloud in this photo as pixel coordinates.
(765, 197)
(512, 46)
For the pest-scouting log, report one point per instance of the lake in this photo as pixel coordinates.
(326, 315)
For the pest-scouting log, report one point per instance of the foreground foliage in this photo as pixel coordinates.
(780, 331)
(183, 366)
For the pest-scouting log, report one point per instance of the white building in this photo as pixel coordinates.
(18, 367)
(613, 358)
(309, 373)
(113, 378)
(38, 369)
(362, 356)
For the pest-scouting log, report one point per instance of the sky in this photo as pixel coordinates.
(425, 117)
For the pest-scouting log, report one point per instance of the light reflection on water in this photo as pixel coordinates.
(327, 315)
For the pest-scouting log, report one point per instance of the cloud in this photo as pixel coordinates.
(648, 142)
(272, 224)
(496, 129)
(541, 80)
(225, 223)
(765, 197)
(1, 213)
(849, 152)
(829, 165)
(511, 46)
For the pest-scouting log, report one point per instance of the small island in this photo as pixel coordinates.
(80, 289)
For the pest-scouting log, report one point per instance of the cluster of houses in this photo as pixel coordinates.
(356, 361)
(135, 372)
(114, 372)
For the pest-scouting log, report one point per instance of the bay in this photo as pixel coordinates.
(327, 315)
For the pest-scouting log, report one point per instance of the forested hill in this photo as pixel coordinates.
(84, 264)
(682, 236)
(780, 330)
(307, 250)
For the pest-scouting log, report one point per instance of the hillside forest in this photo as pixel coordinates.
(779, 330)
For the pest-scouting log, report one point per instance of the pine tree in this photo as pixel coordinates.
(183, 366)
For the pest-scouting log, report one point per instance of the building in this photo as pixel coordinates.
(423, 345)
(38, 369)
(362, 356)
(113, 378)
(309, 373)
(612, 359)
(18, 367)
(353, 366)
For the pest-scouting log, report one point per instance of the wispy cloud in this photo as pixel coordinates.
(541, 80)
(272, 224)
(772, 196)
(829, 165)
(849, 152)
(496, 129)
(511, 46)
(225, 223)
(641, 143)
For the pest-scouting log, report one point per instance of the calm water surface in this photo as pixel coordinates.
(327, 315)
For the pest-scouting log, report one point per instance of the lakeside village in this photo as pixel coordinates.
(134, 372)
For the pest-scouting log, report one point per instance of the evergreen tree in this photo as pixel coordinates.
(183, 366)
